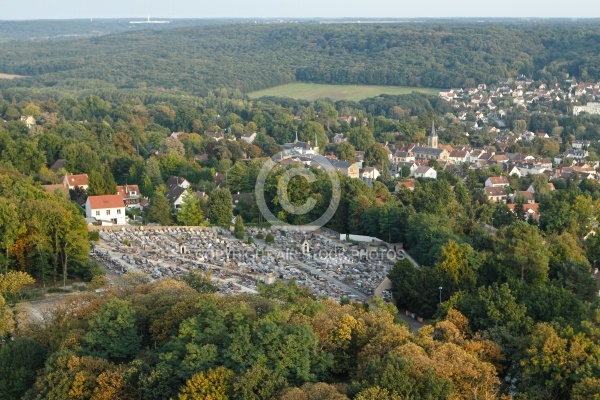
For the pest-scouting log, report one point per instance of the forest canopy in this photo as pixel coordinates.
(250, 57)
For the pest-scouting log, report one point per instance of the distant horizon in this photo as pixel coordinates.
(399, 19)
(309, 9)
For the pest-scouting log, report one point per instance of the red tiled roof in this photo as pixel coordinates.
(408, 184)
(107, 201)
(498, 180)
(77, 180)
(495, 191)
(528, 208)
(125, 190)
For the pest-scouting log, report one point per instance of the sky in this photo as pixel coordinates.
(69, 9)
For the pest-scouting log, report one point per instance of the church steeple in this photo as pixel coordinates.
(432, 140)
(296, 137)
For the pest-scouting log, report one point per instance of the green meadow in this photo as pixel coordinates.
(312, 91)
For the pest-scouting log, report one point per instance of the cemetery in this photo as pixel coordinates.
(321, 262)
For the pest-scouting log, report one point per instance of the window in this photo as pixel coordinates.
(107, 212)
(97, 213)
(132, 193)
(119, 211)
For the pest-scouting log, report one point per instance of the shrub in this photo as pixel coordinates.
(269, 238)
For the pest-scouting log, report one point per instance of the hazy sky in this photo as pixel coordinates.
(45, 9)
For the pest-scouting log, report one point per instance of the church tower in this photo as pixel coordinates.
(432, 140)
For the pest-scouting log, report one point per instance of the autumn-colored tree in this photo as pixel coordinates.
(215, 384)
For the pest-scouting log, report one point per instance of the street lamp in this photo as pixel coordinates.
(440, 294)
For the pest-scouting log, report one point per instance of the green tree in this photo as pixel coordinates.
(200, 282)
(10, 228)
(190, 213)
(159, 210)
(239, 229)
(361, 138)
(459, 264)
(524, 254)
(220, 207)
(24, 156)
(101, 182)
(269, 238)
(112, 332)
(19, 362)
(346, 152)
(376, 156)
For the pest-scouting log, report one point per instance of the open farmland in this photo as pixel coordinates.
(313, 91)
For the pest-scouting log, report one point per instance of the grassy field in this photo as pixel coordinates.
(10, 76)
(312, 91)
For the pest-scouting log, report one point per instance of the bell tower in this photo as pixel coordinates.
(432, 140)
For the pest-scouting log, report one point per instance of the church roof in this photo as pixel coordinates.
(433, 132)
(427, 150)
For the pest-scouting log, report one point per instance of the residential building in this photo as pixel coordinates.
(215, 135)
(59, 188)
(528, 196)
(346, 168)
(108, 209)
(410, 185)
(177, 181)
(425, 172)
(339, 138)
(130, 195)
(496, 194)
(58, 165)
(28, 120)
(249, 137)
(581, 144)
(73, 181)
(530, 210)
(369, 174)
(497, 181)
(459, 156)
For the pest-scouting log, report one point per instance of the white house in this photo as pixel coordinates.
(459, 156)
(28, 120)
(425, 172)
(339, 138)
(398, 169)
(497, 181)
(369, 174)
(249, 137)
(108, 209)
(581, 144)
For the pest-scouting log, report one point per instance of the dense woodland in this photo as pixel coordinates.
(166, 340)
(519, 313)
(496, 286)
(251, 57)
